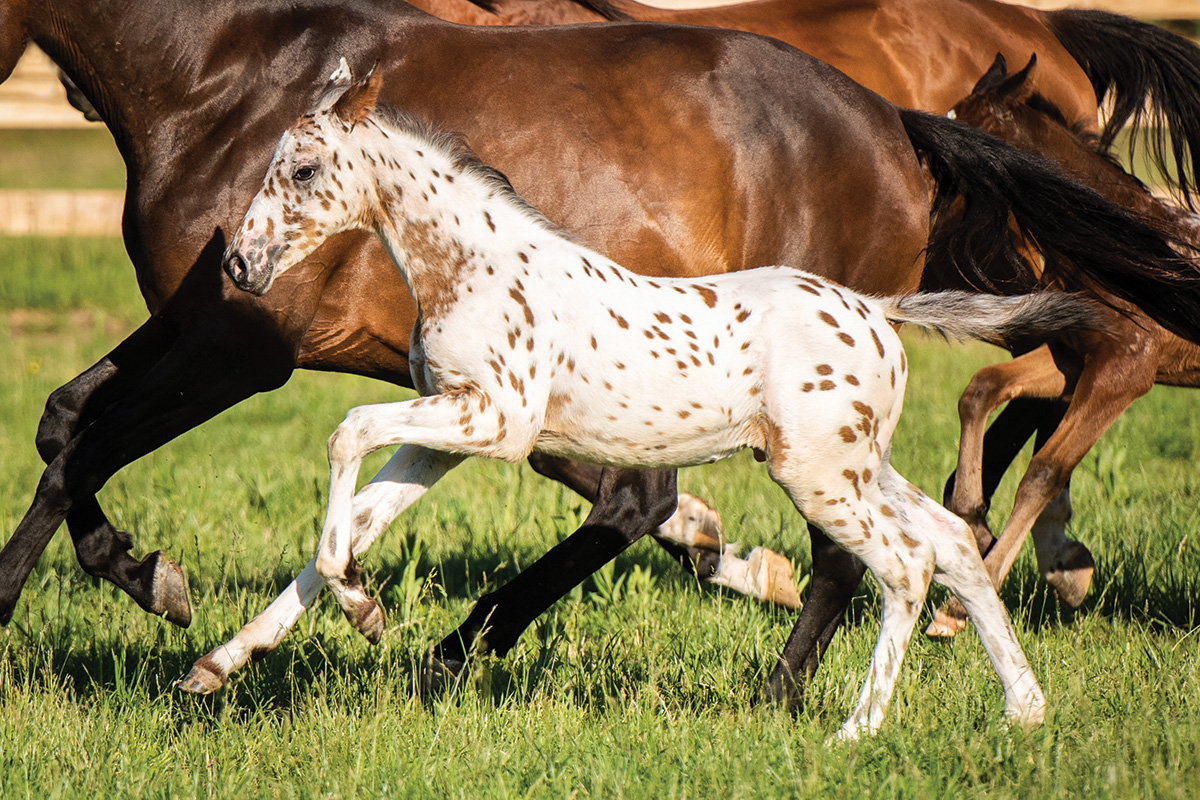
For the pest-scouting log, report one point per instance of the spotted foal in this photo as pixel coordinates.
(526, 340)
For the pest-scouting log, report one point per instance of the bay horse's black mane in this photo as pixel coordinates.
(602, 7)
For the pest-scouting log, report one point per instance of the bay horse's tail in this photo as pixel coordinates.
(1002, 321)
(1085, 240)
(1152, 78)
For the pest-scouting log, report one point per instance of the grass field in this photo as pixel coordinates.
(640, 684)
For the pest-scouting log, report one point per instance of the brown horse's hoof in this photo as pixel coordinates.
(1072, 575)
(948, 620)
(170, 592)
(368, 620)
(694, 524)
(204, 678)
(773, 578)
(439, 677)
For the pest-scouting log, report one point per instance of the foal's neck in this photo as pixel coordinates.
(441, 218)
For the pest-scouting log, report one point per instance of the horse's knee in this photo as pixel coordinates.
(57, 424)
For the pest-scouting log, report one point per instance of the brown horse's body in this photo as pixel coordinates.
(917, 53)
(685, 150)
(1096, 376)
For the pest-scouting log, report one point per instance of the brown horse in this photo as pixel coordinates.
(691, 150)
(1096, 377)
(928, 54)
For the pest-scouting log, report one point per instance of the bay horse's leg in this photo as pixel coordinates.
(836, 575)
(1036, 374)
(403, 480)
(1115, 375)
(156, 582)
(629, 504)
(204, 373)
(694, 537)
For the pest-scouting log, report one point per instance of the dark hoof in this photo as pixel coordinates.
(440, 677)
(170, 592)
(203, 679)
(6, 614)
(1072, 575)
(368, 620)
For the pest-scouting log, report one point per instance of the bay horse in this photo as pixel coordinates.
(658, 373)
(927, 54)
(1095, 377)
(687, 150)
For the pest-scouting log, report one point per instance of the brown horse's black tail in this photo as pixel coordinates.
(1087, 241)
(1152, 79)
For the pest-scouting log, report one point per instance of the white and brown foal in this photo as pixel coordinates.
(526, 340)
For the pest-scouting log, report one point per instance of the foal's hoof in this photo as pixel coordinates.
(439, 677)
(368, 620)
(204, 678)
(1072, 574)
(948, 620)
(694, 524)
(170, 592)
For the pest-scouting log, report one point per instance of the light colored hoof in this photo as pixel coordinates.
(438, 677)
(1071, 576)
(774, 581)
(1031, 715)
(204, 678)
(171, 592)
(946, 623)
(368, 620)
(694, 524)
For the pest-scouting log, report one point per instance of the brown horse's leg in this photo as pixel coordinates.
(1036, 374)
(1115, 376)
(836, 575)
(203, 374)
(155, 583)
(629, 504)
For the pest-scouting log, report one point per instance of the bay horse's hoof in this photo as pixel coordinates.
(368, 620)
(948, 620)
(774, 581)
(439, 677)
(1071, 576)
(170, 591)
(694, 524)
(204, 678)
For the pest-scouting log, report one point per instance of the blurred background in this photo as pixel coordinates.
(60, 175)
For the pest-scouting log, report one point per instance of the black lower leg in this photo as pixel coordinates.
(836, 575)
(630, 503)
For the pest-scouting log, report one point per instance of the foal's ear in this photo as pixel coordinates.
(359, 99)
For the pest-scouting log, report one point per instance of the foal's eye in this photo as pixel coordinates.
(303, 174)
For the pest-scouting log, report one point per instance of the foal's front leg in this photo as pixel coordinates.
(464, 423)
(402, 481)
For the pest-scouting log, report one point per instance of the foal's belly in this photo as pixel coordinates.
(623, 447)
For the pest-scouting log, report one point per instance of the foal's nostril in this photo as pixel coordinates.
(235, 267)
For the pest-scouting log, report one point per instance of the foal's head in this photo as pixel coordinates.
(313, 188)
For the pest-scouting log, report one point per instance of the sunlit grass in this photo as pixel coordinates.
(640, 684)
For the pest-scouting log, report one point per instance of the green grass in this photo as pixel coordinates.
(638, 685)
(60, 159)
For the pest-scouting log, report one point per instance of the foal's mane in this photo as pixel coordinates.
(453, 145)
(602, 7)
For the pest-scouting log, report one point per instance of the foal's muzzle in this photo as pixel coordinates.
(255, 281)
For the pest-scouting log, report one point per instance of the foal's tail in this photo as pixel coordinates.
(1087, 241)
(1001, 321)
(1152, 78)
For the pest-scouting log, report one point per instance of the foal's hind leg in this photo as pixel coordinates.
(854, 513)
(959, 568)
